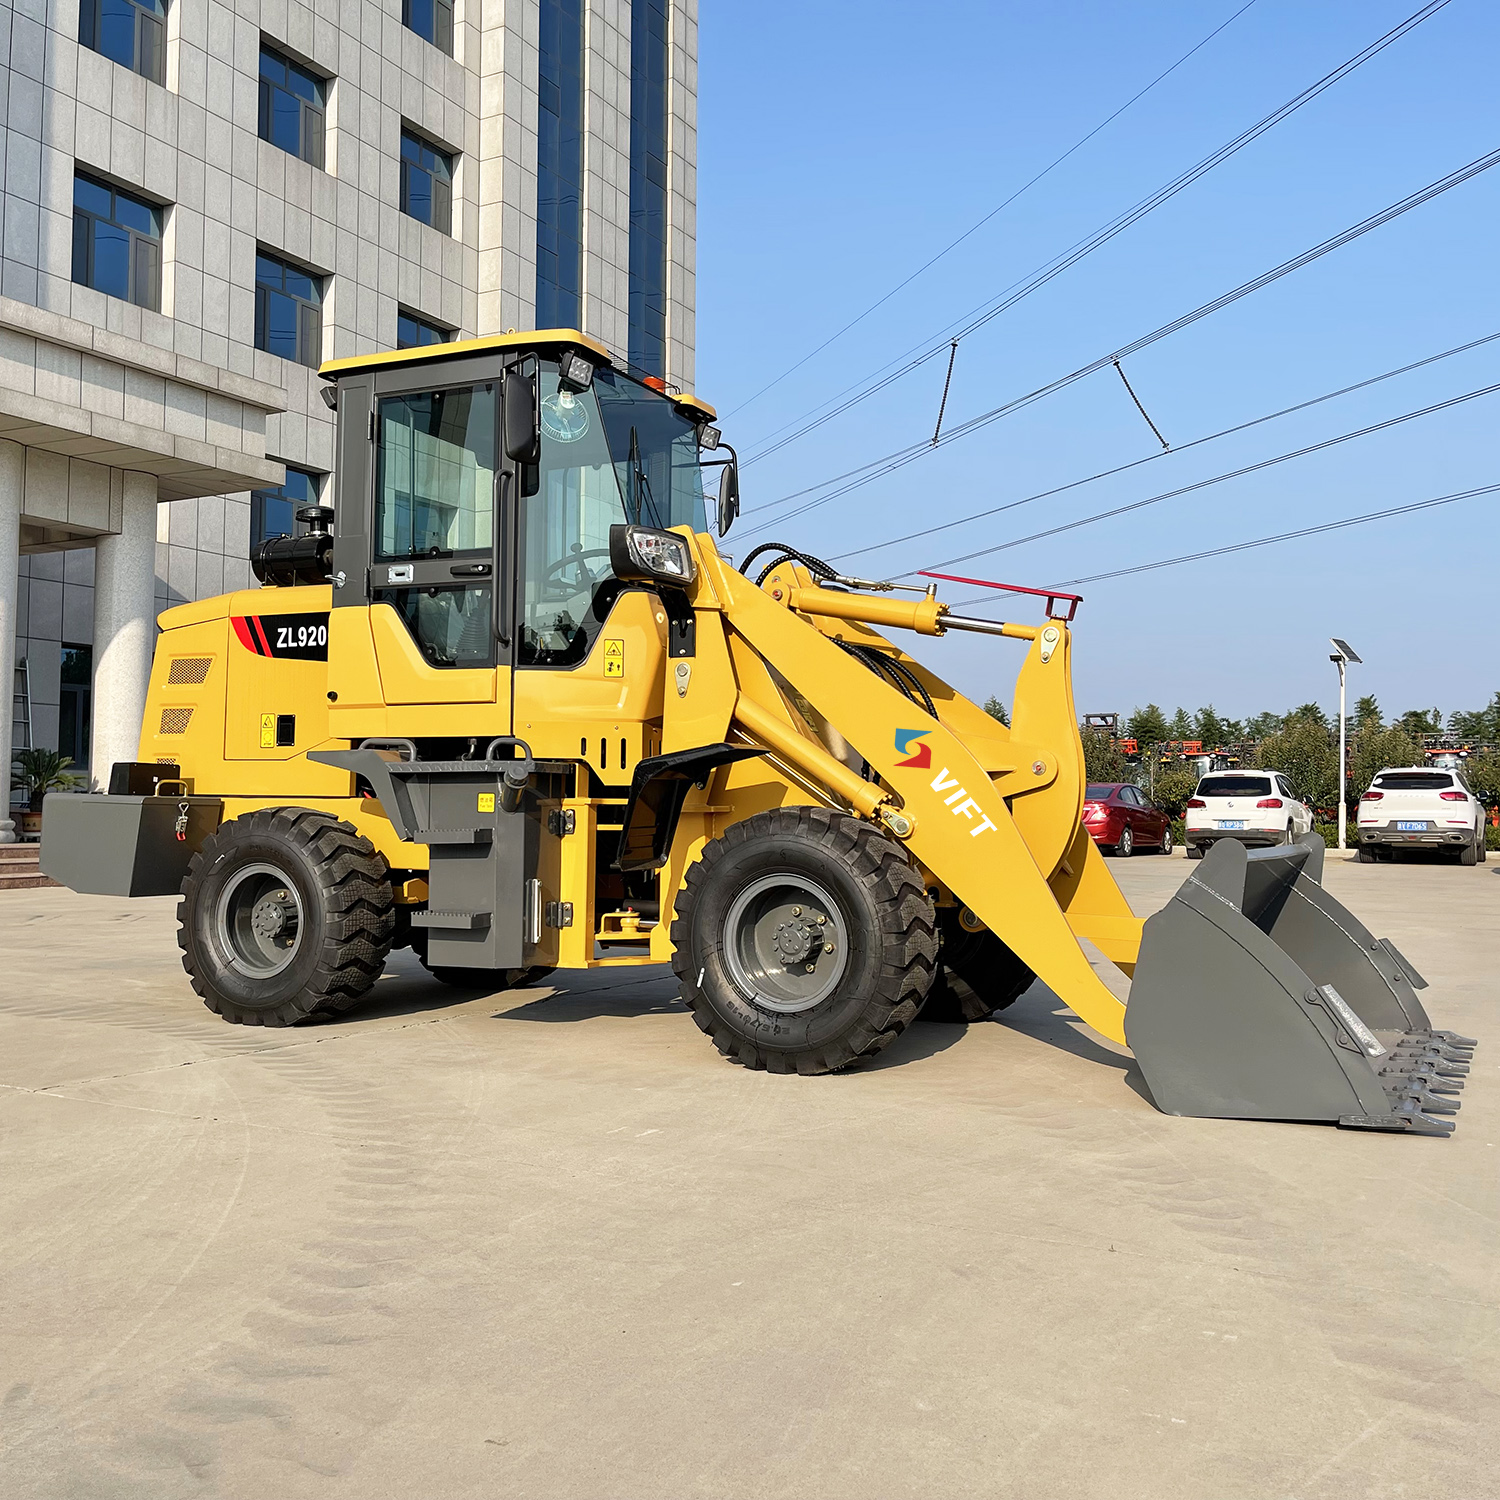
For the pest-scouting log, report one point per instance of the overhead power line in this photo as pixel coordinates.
(854, 479)
(1055, 267)
(1000, 207)
(1203, 484)
(1136, 463)
(1284, 536)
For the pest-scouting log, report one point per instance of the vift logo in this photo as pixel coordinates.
(959, 802)
(922, 757)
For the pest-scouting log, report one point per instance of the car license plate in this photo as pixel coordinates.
(1237, 823)
(1411, 828)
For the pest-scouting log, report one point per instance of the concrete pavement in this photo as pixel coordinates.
(549, 1244)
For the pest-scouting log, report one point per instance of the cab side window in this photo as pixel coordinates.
(434, 511)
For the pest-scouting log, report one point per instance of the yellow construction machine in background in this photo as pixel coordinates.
(520, 714)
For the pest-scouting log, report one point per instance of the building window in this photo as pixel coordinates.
(432, 20)
(288, 310)
(413, 332)
(273, 512)
(426, 182)
(559, 165)
(116, 243)
(75, 702)
(291, 106)
(131, 32)
(648, 186)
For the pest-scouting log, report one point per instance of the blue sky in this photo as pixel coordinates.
(842, 144)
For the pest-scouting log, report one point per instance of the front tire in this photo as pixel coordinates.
(804, 941)
(285, 913)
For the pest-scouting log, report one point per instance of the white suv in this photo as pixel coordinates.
(1255, 807)
(1418, 807)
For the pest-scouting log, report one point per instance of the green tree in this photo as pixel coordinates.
(1181, 727)
(1482, 772)
(1262, 725)
(1366, 717)
(1371, 753)
(1101, 760)
(1417, 721)
(1148, 725)
(1306, 713)
(1481, 724)
(1211, 728)
(1306, 752)
(1174, 785)
(997, 710)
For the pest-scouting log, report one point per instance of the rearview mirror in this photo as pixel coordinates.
(729, 493)
(523, 433)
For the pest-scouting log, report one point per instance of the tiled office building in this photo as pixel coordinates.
(204, 198)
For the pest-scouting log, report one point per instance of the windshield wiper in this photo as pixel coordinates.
(641, 483)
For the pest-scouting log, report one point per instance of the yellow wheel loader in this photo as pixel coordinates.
(508, 705)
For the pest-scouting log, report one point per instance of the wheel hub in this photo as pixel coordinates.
(785, 943)
(258, 923)
(272, 915)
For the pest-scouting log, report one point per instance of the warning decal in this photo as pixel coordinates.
(614, 658)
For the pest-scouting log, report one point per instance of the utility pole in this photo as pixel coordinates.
(1343, 655)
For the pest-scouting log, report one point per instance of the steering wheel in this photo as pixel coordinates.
(556, 586)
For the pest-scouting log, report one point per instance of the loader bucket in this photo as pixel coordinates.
(1258, 996)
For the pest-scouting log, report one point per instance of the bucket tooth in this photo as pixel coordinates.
(1256, 995)
(1409, 1121)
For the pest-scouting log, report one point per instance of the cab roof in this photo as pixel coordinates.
(544, 339)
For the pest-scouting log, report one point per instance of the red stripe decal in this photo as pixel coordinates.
(260, 630)
(242, 633)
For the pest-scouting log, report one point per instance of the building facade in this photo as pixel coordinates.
(203, 199)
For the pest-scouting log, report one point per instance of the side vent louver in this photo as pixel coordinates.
(188, 671)
(175, 720)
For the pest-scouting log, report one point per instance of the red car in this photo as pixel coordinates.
(1120, 818)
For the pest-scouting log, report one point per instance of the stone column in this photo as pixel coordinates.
(12, 486)
(124, 627)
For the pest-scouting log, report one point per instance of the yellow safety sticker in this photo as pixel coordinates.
(614, 658)
(268, 731)
(486, 802)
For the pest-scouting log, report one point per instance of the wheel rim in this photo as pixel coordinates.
(258, 921)
(786, 943)
(1166, 842)
(1125, 842)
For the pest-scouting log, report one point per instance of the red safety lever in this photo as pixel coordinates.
(1050, 595)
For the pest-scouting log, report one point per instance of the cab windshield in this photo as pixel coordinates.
(617, 452)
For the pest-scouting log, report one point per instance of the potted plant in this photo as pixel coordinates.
(37, 772)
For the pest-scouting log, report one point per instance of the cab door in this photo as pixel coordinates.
(420, 538)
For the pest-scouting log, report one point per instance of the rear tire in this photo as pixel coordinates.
(1365, 855)
(747, 933)
(1166, 842)
(1469, 854)
(1126, 847)
(286, 913)
(1195, 851)
(991, 977)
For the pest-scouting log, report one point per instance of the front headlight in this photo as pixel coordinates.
(640, 554)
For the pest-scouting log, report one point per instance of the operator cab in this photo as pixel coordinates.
(478, 481)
